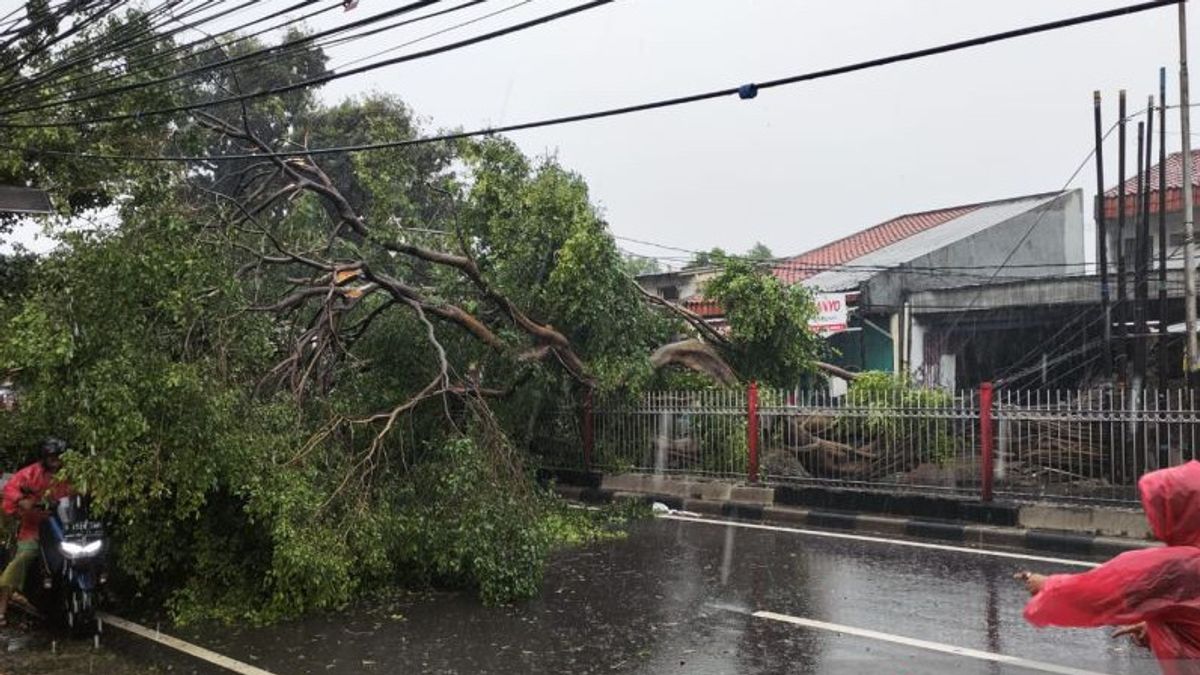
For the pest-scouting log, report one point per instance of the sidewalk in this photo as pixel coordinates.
(1078, 530)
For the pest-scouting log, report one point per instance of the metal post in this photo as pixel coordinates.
(752, 430)
(589, 434)
(1189, 238)
(1102, 237)
(1122, 307)
(1142, 229)
(1163, 314)
(1143, 290)
(985, 440)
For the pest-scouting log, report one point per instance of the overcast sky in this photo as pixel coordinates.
(798, 166)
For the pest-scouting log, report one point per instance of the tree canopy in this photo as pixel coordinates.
(290, 381)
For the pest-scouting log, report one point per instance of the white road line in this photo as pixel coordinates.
(924, 644)
(883, 540)
(185, 647)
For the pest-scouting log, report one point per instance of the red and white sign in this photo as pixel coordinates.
(831, 314)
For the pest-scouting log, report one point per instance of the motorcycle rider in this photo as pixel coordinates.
(22, 496)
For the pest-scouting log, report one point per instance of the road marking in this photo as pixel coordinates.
(883, 540)
(185, 647)
(924, 644)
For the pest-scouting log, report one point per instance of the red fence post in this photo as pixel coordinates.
(985, 440)
(589, 435)
(752, 429)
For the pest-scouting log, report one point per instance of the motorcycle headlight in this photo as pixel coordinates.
(73, 550)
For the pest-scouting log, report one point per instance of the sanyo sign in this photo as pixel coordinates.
(831, 313)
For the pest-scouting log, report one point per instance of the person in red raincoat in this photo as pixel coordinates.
(1152, 594)
(22, 493)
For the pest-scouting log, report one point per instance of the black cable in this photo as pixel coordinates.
(306, 43)
(52, 15)
(790, 260)
(135, 35)
(76, 26)
(249, 36)
(447, 29)
(745, 91)
(1029, 231)
(122, 37)
(323, 79)
(11, 19)
(225, 63)
(336, 42)
(1081, 314)
(159, 60)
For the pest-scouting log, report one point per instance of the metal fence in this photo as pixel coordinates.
(1058, 445)
(903, 438)
(699, 433)
(1090, 445)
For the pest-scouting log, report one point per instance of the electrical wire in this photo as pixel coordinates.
(146, 32)
(112, 74)
(745, 91)
(130, 35)
(224, 63)
(456, 26)
(76, 26)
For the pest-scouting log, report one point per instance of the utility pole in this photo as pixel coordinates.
(1189, 237)
(1102, 236)
(1122, 308)
(1163, 315)
(1142, 228)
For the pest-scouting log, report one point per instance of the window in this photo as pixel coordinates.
(670, 293)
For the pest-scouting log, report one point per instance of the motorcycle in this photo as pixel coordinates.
(66, 586)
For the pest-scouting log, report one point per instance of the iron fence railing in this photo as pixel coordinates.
(1055, 445)
(924, 439)
(701, 433)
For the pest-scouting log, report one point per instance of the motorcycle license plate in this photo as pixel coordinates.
(87, 529)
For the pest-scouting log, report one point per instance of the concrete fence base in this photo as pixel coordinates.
(1081, 530)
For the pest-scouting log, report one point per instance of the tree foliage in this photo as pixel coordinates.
(759, 251)
(636, 266)
(290, 382)
(768, 322)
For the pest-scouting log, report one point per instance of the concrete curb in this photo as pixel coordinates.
(1056, 541)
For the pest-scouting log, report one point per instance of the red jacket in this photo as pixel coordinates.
(35, 482)
(1160, 586)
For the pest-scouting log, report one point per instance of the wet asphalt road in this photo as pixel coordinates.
(676, 597)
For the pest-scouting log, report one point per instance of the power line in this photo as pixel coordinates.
(129, 36)
(337, 42)
(1043, 209)
(329, 77)
(152, 32)
(224, 63)
(158, 60)
(456, 26)
(745, 91)
(785, 261)
(11, 19)
(833, 267)
(1066, 326)
(50, 41)
(52, 15)
(275, 51)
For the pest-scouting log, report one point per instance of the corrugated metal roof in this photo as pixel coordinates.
(965, 222)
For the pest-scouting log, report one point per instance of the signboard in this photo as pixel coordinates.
(831, 314)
